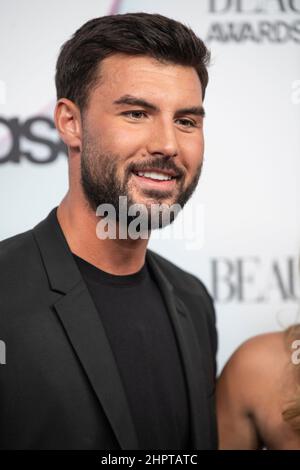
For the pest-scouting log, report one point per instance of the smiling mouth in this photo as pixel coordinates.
(147, 182)
(160, 175)
(155, 180)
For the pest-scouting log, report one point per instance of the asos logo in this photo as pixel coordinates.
(39, 131)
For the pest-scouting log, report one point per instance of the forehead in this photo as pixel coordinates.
(147, 77)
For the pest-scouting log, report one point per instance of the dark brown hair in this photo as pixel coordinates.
(153, 35)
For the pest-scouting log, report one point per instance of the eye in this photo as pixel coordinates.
(187, 122)
(137, 114)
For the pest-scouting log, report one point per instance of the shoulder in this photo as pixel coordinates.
(13, 248)
(19, 259)
(180, 278)
(258, 365)
(9, 245)
(191, 290)
(259, 352)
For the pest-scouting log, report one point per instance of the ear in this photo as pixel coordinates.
(68, 123)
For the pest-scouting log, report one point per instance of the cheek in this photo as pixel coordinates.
(192, 150)
(122, 140)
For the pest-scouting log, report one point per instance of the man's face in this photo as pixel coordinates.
(144, 117)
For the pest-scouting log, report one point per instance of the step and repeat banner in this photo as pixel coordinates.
(242, 226)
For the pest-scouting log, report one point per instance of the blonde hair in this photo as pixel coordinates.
(291, 413)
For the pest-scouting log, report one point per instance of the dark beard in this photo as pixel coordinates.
(101, 186)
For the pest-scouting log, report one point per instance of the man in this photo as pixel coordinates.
(109, 345)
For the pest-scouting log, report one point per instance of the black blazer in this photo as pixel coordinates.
(60, 387)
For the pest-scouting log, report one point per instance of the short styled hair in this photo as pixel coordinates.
(140, 34)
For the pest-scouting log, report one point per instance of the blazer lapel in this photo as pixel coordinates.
(191, 354)
(84, 329)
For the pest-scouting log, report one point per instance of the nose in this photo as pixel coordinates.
(163, 139)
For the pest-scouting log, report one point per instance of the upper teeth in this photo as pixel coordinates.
(154, 175)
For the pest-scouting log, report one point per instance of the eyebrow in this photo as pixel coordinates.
(135, 101)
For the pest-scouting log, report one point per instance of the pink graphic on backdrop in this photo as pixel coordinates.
(115, 7)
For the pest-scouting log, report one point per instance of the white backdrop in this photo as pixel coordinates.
(247, 242)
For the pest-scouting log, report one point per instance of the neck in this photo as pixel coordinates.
(113, 255)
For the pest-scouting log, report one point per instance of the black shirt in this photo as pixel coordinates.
(143, 342)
